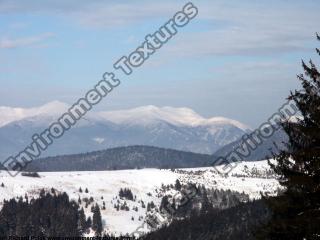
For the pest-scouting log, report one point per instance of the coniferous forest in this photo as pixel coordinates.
(49, 215)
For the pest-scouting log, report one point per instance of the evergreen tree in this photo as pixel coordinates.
(89, 223)
(97, 221)
(206, 206)
(296, 213)
(82, 222)
(165, 206)
(178, 185)
(126, 193)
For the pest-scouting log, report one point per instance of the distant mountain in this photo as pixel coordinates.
(269, 146)
(167, 127)
(122, 158)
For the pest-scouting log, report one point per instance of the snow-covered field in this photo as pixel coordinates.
(252, 178)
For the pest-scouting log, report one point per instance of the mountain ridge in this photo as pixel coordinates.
(181, 115)
(165, 127)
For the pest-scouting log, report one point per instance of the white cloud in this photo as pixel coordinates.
(114, 15)
(230, 27)
(249, 29)
(238, 41)
(95, 13)
(25, 41)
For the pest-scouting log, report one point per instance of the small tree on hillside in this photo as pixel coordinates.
(97, 221)
(82, 222)
(177, 185)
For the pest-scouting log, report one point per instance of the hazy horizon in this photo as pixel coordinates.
(236, 60)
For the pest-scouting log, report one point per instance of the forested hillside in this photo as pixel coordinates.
(122, 158)
(49, 215)
(236, 223)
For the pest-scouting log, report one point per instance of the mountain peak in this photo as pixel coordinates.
(150, 114)
(55, 103)
(11, 114)
(223, 120)
(53, 108)
(177, 116)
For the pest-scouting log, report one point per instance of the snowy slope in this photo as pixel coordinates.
(249, 177)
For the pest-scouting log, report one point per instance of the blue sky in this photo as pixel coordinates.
(237, 59)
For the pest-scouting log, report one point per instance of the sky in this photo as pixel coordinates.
(236, 59)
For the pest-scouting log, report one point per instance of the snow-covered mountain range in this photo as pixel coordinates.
(177, 128)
